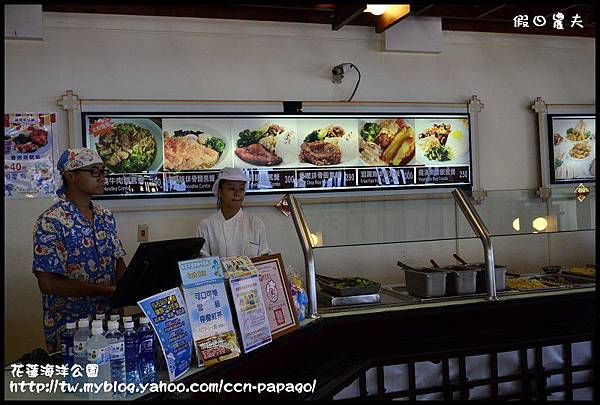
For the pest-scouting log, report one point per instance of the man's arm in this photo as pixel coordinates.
(121, 267)
(55, 284)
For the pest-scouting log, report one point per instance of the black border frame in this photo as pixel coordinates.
(228, 114)
(550, 140)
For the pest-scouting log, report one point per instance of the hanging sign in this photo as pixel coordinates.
(29, 169)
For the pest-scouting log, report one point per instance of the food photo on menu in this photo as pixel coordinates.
(193, 144)
(573, 141)
(326, 143)
(265, 143)
(27, 139)
(128, 145)
(442, 141)
(387, 142)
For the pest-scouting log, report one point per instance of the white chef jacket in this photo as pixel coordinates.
(244, 234)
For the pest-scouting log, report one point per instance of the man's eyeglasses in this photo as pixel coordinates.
(95, 171)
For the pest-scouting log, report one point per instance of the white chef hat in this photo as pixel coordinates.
(229, 173)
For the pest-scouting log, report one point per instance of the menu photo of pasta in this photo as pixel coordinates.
(573, 148)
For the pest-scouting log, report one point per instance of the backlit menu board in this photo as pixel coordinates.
(572, 141)
(180, 154)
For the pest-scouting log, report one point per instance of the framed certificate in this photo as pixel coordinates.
(277, 295)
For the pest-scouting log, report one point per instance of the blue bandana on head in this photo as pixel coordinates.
(61, 166)
(73, 159)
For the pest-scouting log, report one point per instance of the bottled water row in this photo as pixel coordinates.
(122, 353)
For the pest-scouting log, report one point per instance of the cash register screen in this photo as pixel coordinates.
(153, 269)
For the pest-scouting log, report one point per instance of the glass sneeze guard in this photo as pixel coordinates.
(360, 221)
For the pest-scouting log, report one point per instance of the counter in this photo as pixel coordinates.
(360, 348)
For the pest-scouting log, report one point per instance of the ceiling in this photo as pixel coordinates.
(486, 17)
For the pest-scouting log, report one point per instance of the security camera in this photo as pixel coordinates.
(338, 72)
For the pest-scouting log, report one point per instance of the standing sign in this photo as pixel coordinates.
(276, 292)
(28, 160)
(166, 311)
(211, 320)
(248, 300)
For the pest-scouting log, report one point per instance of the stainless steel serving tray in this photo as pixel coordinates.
(574, 281)
(551, 286)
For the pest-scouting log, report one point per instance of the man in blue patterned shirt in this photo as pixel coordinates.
(77, 255)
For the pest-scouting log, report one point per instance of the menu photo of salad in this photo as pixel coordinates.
(573, 148)
(442, 141)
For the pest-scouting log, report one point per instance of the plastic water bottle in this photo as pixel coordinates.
(97, 324)
(80, 349)
(147, 347)
(124, 321)
(101, 317)
(132, 350)
(66, 347)
(115, 317)
(98, 351)
(117, 354)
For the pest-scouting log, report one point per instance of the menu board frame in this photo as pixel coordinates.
(553, 118)
(392, 172)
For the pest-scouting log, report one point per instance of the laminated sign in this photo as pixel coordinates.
(248, 300)
(211, 320)
(167, 314)
(28, 158)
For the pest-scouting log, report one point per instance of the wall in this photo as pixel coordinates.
(123, 57)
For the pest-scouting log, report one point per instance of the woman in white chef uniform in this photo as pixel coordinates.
(231, 231)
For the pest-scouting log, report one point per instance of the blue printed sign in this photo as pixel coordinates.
(167, 314)
(211, 319)
(200, 271)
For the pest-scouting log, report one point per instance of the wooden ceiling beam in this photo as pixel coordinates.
(345, 13)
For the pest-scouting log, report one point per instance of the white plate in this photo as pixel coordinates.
(287, 151)
(589, 157)
(460, 146)
(348, 143)
(409, 121)
(211, 127)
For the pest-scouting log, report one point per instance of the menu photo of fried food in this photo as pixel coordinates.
(269, 143)
(328, 144)
(442, 141)
(387, 142)
(191, 146)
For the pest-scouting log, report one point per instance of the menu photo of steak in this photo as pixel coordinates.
(263, 146)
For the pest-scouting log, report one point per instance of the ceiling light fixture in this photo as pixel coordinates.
(376, 9)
